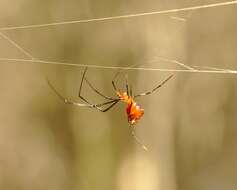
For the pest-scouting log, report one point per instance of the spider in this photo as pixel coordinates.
(133, 110)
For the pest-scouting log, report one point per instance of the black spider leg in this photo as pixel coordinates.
(131, 91)
(97, 106)
(113, 101)
(127, 86)
(79, 92)
(126, 82)
(65, 100)
(154, 89)
(109, 107)
(113, 81)
(98, 92)
(105, 103)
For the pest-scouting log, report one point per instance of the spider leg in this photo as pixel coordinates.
(106, 103)
(130, 91)
(127, 86)
(98, 92)
(79, 93)
(97, 106)
(109, 107)
(113, 81)
(154, 89)
(65, 100)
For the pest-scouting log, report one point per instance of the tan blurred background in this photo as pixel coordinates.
(189, 125)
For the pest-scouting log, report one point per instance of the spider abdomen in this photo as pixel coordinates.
(134, 112)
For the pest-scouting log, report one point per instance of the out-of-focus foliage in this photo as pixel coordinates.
(189, 125)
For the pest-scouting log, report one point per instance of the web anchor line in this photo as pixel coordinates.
(212, 5)
(210, 70)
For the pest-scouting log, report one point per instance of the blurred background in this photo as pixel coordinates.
(189, 125)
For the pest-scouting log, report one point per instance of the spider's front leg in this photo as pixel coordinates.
(112, 101)
(154, 89)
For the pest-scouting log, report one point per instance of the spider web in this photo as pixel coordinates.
(175, 66)
(183, 67)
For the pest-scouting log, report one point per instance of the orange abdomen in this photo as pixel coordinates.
(134, 112)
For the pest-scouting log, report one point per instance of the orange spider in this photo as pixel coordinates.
(133, 110)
